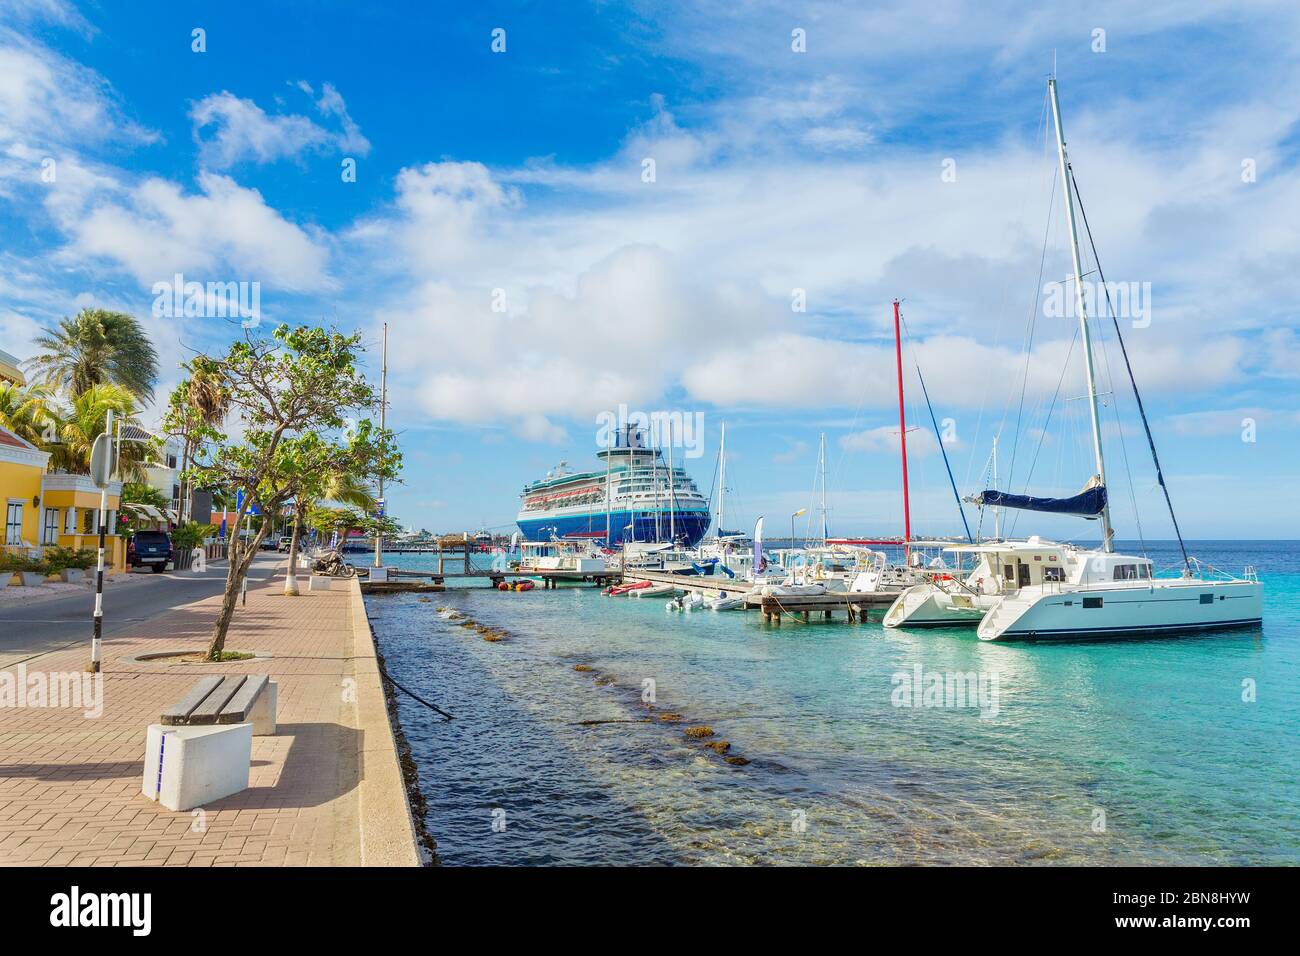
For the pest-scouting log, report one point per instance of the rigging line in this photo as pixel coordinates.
(938, 437)
(1119, 426)
(1146, 425)
(1002, 305)
(1047, 421)
(1029, 338)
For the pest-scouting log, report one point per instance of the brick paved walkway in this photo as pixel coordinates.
(70, 785)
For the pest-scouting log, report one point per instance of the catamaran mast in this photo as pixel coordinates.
(722, 481)
(1107, 533)
(821, 467)
(902, 437)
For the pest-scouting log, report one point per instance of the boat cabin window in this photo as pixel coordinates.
(1126, 572)
(1053, 574)
(1024, 574)
(1144, 571)
(1009, 573)
(1092, 602)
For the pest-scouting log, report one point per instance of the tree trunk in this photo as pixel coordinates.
(291, 578)
(241, 559)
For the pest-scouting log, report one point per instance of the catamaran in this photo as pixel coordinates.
(1043, 590)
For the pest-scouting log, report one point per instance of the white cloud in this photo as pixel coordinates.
(223, 232)
(883, 439)
(241, 130)
(48, 101)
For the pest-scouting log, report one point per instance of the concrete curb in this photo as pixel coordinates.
(387, 830)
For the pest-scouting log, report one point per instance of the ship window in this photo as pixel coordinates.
(1207, 598)
(1053, 574)
(1092, 602)
(1125, 572)
(1144, 571)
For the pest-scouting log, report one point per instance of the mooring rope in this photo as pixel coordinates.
(433, 707)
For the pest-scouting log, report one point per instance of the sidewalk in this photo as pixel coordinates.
(327, 790)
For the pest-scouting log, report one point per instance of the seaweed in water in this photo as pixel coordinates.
(699, 732)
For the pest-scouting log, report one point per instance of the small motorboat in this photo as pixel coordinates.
(685, 602)
(627, 588)
(726, 602)
(658, 590)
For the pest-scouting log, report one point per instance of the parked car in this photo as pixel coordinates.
(285, 542)
(152, 549)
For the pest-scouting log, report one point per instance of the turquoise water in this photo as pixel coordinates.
(1152, 734)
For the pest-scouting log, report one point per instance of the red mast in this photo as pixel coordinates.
(902, 437)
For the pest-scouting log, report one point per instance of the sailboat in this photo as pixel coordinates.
(1043, 590)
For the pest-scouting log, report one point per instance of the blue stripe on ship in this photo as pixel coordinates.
(688, 525)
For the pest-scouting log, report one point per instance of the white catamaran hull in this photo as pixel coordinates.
(1173, 606)
(924, 605)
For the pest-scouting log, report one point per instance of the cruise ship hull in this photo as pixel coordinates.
(690, 526)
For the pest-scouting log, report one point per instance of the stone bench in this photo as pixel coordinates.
(202, 747)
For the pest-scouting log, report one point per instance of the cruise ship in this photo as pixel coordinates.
(633, 496)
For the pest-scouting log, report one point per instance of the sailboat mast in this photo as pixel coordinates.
(1107, 533)
(609, 542)
(902, 437)
(722, 481)
(997, 512)
(821, 466)
(672, 489)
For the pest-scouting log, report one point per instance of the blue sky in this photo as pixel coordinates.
(501, 223)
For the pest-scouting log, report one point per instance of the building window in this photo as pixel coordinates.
(50, 527)
(88, 521)
(14, 523)
(70, 521)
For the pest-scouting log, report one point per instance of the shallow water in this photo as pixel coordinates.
(1101, 753)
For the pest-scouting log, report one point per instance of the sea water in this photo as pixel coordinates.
(1170, 750)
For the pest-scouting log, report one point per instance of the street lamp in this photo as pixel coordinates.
(801, 511)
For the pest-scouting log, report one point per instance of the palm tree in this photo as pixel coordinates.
(83, 420)
(28, 412)
(341, 487)
(97, 347)
(209, 398)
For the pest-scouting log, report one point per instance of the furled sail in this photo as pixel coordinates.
(1087, 504)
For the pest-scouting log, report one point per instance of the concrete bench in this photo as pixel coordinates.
(202, 747)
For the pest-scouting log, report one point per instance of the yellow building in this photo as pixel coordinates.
(44, 509)
(70, 516)
(22, 466)
(9, 370)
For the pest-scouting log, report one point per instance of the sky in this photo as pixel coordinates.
(703, 208)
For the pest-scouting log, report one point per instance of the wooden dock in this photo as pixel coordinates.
(856, 606)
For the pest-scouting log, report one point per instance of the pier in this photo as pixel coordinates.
(854, 605)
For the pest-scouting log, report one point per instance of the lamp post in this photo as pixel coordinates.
(792, 517)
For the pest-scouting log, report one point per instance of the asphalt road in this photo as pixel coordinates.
(55, 623)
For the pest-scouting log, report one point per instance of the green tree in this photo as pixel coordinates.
(28, 412)
(97, 347)
(335, 483)
(290, 392)
(85, 418)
